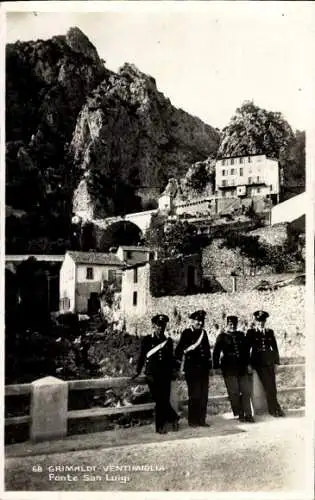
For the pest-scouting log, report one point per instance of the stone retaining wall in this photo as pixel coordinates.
(285, 306)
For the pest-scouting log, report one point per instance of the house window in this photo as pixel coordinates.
(241, 171)
(232, 171)
(128, 254)
(258, 190)
(249, 159)
(223, 173)
(241, 160)
(135, 275)
(257, 178)
(111, 275)
(249, 180)
(89, 273)
(65, 304)
(135, 298)
(232, 161)
(223, 162)
(224, 183)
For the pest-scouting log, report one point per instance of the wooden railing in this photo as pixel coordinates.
(49, 414)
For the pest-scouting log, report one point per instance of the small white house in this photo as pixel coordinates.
(82, 275)
(134, 254)
(135, 290)
(165, 203)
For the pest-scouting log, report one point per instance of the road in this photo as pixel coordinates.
(266, 456)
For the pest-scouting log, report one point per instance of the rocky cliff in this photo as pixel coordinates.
(70, 122)
(47, 83)
(128, 133)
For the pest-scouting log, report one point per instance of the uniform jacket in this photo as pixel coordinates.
(200, 357)
(235, 353)
(263, 347)
(161, 363)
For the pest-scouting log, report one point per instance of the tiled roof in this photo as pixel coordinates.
(134, 247)
(106, 259)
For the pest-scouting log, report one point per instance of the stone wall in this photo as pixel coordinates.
(285, 306)
(248, 283)
(273, 235)
(209, 203)
(222, 261)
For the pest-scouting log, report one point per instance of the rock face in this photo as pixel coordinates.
(73, 126)
(129, 133)
(47, 83)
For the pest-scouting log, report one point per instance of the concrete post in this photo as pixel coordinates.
(258, 395)
(49, 407)
(233, 284)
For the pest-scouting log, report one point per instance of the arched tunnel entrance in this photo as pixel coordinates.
(117, 234)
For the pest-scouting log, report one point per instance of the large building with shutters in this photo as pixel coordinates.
(248, 177)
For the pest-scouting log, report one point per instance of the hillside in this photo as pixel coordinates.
(71, 120)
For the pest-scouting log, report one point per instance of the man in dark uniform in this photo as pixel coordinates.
(232, 346)
(156, 355)
(264, 357)
(194, 346)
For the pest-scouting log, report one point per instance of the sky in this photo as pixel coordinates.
(206, 57)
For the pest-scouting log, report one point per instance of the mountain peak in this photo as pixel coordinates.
(79, 42)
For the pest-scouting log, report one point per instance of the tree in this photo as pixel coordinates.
(197, 177)
(174, 238)
(178, 239)
(154, 235)
(292, 161)
(253, 130)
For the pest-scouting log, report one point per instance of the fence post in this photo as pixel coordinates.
(258, 395)
(49, 408)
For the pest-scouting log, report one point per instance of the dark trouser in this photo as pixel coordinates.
(239, 392)
(268, 380)
(198, 387)
(164, 412)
